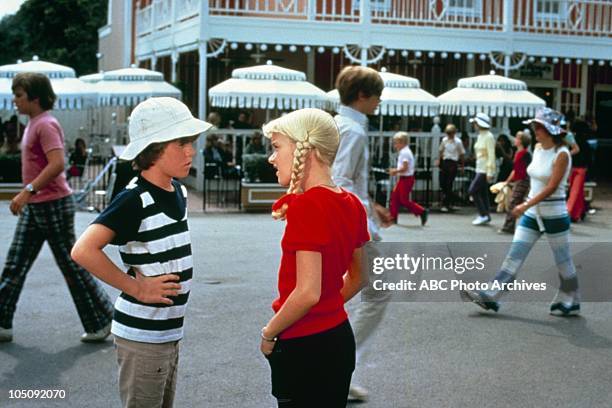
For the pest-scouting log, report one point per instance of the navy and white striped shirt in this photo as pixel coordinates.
(151, 229)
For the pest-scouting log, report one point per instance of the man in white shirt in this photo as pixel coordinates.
(360, 89)
(405, 171)
(451, 155)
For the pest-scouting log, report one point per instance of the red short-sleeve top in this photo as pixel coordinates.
(334, 224)
(521, 161)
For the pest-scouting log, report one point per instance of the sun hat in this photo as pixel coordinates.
(482, 120)
(159, 120)
(550, 119)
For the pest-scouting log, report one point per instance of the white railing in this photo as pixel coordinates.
(334, 10)
(144, 24)
(186, 9)
(481, 14)
(566, 17)
(261, 8)
(570, 17)
(162, 13)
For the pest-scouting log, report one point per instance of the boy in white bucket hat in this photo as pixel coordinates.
(148, 221)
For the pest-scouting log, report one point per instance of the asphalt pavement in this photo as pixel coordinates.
(425, 354)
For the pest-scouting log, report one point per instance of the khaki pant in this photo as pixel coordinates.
(147, 373)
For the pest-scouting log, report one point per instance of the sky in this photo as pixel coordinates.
(9, 6)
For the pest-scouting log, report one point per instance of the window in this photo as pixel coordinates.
(464, 8)
(375, 5)
(551, 10)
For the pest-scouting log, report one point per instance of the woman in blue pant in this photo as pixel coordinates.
(545, 211)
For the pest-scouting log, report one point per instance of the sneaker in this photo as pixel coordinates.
(504, 231)
(560, 309)
(481, 220)
(478, 220)
(6, 335)
(480, 299)
(98, 336)
(444, 209)
(357, 393)
(424, 216)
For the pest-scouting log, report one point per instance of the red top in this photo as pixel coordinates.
(334, 224)
(520, 166)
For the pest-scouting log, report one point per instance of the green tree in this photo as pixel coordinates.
(60, 31)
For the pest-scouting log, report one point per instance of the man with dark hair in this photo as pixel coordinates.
(360, 89)
(46, 213)
(242, 122)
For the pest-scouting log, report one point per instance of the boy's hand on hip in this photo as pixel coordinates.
(157, 289)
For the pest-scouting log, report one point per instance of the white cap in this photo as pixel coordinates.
(159, 120)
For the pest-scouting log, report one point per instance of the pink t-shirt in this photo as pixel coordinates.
(42, 134)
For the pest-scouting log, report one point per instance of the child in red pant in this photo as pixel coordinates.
(405, 171)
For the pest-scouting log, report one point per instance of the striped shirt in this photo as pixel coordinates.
(151, 230)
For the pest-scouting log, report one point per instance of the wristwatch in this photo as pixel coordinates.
(30, 188)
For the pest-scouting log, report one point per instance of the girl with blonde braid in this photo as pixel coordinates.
(309, 342)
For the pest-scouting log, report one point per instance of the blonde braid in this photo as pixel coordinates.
(299, 161)
(297, 174)
(311, 130)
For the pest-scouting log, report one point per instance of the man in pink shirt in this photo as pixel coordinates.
(46, 213)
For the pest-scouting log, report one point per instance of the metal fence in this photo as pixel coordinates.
(222, 183)
(93, 187)
(222, 187)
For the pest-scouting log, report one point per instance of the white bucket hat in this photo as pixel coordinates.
(482, 120)
(159, 120)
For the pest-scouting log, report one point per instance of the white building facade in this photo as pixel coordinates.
(561, 48)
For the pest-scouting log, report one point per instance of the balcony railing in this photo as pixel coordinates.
(564, 17)
(475, 14)
(163, 14)
(144, 25)
(569, 17)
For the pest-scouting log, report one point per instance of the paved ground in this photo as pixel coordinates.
(426, 354)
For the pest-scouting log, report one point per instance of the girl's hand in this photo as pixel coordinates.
(266, 347)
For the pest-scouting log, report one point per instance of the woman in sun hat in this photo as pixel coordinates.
(485, 167)
(545, 211)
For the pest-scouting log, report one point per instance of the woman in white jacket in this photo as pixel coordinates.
(484, 150)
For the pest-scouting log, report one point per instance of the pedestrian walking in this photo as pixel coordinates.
(360, 89)
(485, 168)
(451, 156)
(46, 213)
(518, 179)
(309, 342)
(400, 196)
(148, 221)
(545, 211)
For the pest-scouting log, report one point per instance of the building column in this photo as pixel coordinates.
(365, 19)
(584, 82)
(174, 58)
(203, 67)
(310, 66)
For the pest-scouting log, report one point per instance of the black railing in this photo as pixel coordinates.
(222, 187)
